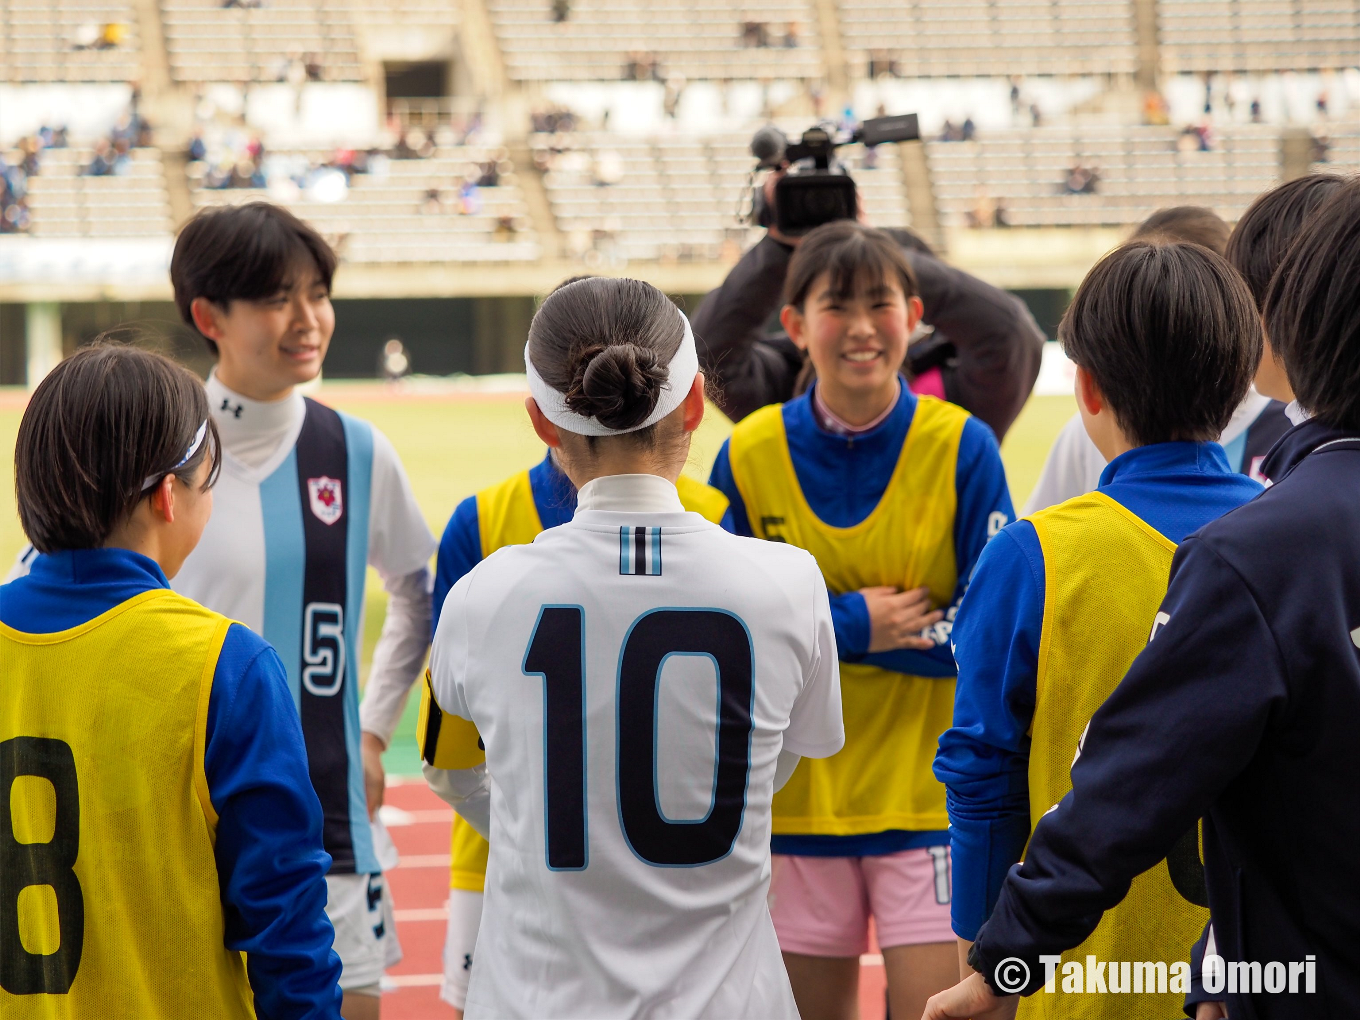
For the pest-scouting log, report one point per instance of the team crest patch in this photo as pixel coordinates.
(328, 503)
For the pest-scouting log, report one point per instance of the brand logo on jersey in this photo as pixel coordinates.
(640, 551)
(328, 502)
(235, 412)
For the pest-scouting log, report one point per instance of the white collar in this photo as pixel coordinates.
(648, 494)
(254, 431)
(1296, 414)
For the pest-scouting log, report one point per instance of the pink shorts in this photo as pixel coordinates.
(821, 905)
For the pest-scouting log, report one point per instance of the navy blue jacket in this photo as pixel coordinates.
(1243, 710)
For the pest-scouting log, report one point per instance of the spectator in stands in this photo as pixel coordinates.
(1081, 180)
(561, 10)
(311, 65)
(792, 36)
(754, 34)
(102, 163)
(14, 218)
(1256, 111)
(982, 350)
(968, 130)
(1036, 116)
(198, 149)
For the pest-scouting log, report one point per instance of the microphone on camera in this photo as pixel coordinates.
(768, 146)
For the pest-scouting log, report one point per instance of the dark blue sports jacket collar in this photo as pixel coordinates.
(1298, 443)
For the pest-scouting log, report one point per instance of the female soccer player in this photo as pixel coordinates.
(641, 681)
(895, 495)
(308, 499)
(160, 842)
(511, 512)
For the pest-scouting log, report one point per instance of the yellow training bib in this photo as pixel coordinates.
(882, 778)
(506, 515)
(106, 827)
(1105, 574)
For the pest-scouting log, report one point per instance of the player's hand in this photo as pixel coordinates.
(970, 998)
(1211, 1011)
(896, 618)
(375, 779)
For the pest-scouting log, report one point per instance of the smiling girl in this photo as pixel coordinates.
(894, 495)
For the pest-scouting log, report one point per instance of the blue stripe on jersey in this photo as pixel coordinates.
(359, 445)
(640, 551)
(285, 562)
(1236, 449)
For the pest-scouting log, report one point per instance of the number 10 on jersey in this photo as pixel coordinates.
(557, 653)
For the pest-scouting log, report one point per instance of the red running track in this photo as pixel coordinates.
(420, 822)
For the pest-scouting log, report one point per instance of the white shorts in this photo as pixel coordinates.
(465, 917)
(365, 930)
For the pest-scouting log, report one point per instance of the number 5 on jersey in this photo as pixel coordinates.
(557, 653)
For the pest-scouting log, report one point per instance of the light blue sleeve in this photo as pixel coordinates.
(270, 861)
(460, 549)
(983, 758)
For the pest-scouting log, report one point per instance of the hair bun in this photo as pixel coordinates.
(618, 385)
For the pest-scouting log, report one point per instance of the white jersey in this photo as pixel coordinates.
(307, 499)
(1074, 465)
(634, 675)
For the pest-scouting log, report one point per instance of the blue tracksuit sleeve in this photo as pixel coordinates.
(983, 508)
(983, 759)
(721, 479)
(270, 861)
(460, 549)
(1181, 726)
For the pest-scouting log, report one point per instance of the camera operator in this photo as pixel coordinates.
(983, 354)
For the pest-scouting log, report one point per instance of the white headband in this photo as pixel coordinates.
(680, 375)
(153, 480)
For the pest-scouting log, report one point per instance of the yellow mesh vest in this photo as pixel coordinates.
(110, 853)
(882, 778)
(506, 515)
(1105, 574)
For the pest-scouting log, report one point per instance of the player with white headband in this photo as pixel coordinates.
(615, 704)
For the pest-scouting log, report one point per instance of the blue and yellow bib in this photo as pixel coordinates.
(1105, 574)
(882, 778)
(111, 902)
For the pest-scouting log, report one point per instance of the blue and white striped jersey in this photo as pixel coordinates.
(286, 551)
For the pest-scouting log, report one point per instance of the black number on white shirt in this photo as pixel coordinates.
(556, 652)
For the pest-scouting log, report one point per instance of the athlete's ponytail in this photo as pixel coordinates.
(604, 349)
(99, 433)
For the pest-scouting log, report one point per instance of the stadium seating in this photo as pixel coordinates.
(1343, 154)
(208, 42)
(384, 217)
(65, 204)
(67, 40)
(676, 198)
(1139, 169)
(1258, 35)
(930, 38)
(694, 38)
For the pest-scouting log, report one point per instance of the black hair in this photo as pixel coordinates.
(858, 258)
(1169, 333)
(1312, 314)
(1270, 224)
(243, 253)
(98, 427)
(1192, 223)
(607, 344)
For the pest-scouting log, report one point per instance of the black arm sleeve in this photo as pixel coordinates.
(748, 368)
(997, 344)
